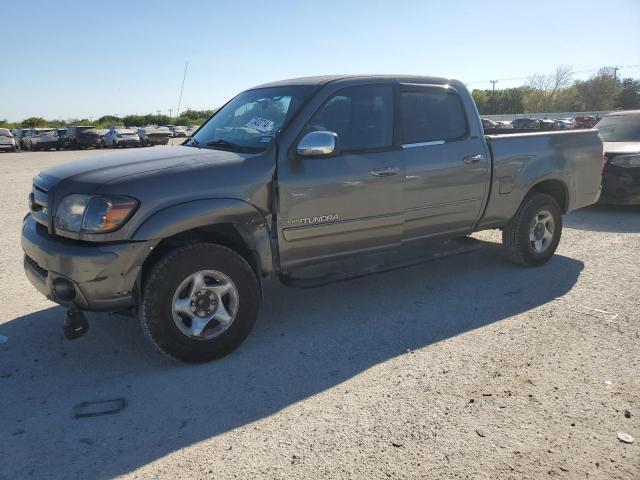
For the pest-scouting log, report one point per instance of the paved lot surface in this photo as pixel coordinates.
(467, 367)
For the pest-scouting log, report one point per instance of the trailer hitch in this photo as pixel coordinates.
(75, 324)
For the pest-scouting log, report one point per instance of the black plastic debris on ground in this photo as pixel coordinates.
(99, 408)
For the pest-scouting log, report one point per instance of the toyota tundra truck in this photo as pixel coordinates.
(285, 177)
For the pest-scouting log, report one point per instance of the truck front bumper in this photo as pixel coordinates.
(87, 276)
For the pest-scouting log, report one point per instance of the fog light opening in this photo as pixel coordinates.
(63, 289)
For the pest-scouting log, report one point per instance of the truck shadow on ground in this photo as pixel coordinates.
(305, 341)
(605, 218)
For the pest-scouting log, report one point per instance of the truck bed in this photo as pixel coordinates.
(522, 160)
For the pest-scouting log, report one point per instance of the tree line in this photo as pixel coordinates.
(559, 92)
(188, 117)
(544, 93)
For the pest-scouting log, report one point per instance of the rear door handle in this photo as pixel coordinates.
(473, 158)
(384, 172)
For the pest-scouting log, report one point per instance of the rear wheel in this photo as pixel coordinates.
(199, 302)
(533, 234)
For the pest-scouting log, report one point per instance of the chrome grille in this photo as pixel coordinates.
(38, 205)
(37, 269)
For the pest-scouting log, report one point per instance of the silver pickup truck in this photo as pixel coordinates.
(285, 176)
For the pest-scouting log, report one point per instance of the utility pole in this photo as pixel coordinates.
(493, 95)
(615, 72)
(170, 110)
(182, 88)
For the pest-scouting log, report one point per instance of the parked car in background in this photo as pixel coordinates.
(588, 121)
(546, 124)
(179, 131)
(168, 127)
(153, 136)
(81, 136)
(19, 137)
(192, 129)
(41, 139)
(621, 176)
(7, 140)
(61, 134)
(101, 133)
(564, 124)
(120, 137)
(487, 123)
(504, 124)
(526, 123)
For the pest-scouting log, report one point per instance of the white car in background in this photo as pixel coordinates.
(121, 137)
(179, 131)
(7, 142)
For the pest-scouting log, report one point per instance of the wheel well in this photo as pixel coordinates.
(557, 189)
(224, 234)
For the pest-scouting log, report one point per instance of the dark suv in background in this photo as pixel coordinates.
(81, 137)
(621, 175)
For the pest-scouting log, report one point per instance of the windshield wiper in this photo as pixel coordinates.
(223, 143)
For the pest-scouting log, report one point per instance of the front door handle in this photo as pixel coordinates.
(384, 172)
(473, 158)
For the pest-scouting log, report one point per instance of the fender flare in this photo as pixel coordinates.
(182, 217)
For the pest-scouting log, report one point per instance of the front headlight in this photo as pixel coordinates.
(93, 214)
(627, 161)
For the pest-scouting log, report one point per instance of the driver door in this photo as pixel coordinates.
(350, 201)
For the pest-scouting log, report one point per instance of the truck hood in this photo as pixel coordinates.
(621, 147)
(162, 177)
(96, 171)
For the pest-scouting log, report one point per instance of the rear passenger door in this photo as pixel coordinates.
(446, 169)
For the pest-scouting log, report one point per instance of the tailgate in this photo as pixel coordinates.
(522, 160)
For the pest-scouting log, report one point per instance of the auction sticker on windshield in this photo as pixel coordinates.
(260, 124)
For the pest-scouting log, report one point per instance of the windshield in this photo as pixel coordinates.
(620, 128)
(42, 133)
(252, 120)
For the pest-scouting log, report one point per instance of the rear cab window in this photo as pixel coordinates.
(431, 114)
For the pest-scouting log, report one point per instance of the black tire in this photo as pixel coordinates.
(163, 280)
(515, 236)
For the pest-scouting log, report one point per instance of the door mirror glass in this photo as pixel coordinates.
(315, 144)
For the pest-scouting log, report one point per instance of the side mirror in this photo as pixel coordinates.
(315, 144)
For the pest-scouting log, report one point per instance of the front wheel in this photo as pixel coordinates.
(199, 302)
(533, 234)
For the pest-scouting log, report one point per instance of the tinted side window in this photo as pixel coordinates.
(431, 114)
(361, 116)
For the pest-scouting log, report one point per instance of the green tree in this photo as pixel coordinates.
(567, 100)
(629, 96)
(544, 89)
(508, 100)
(600, 92)
(33, 122)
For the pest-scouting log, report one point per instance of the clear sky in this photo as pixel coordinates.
(91, 58)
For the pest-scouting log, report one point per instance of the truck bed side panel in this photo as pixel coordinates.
(521, 161)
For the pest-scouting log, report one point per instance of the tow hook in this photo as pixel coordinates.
(75, 324)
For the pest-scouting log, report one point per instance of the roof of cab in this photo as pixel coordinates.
(325, 79)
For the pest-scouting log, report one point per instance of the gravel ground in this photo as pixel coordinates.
(466, 367)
